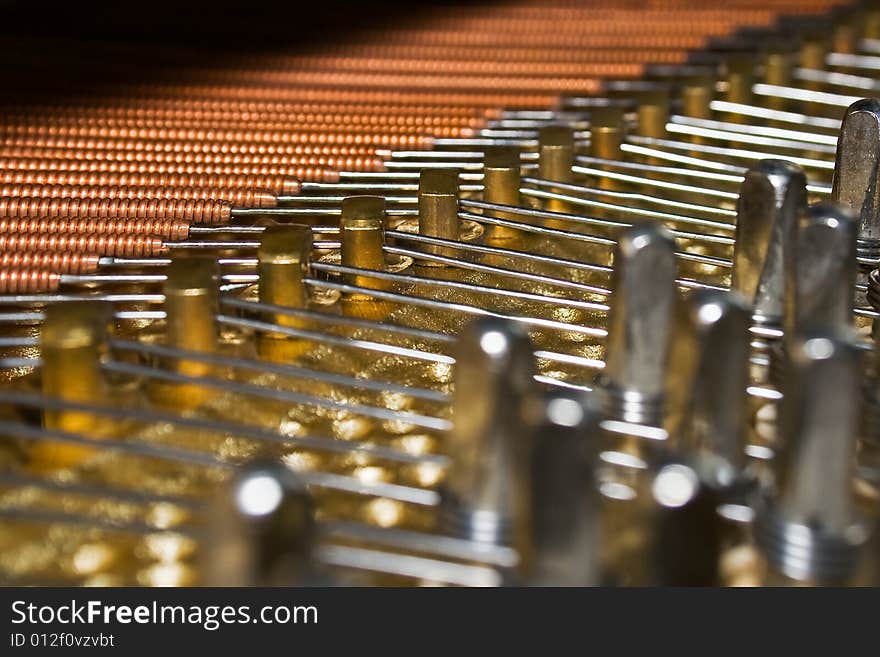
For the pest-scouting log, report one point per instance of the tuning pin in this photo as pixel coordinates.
(262, 530)
(662, 527)
(362, 233)
(555, 158)
(485, 496)
(501, 182)
(809, 530)
(772, 197)
(823, 272)
(639, 322)
(438, 207)
(73, 341)
(708, 376)
(563, 499)
(857, 172)
(685, 531)
(820, 277)
(869, 452)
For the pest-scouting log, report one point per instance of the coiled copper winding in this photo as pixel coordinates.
(379, 139)
(85, 166)
(193, 211)
(182, 118)
(197, 109)
(469, 99)
(275, 183)
(164, 228)
(121, 246)
(249, 198)
(121, 153)
(61, 263)
(28, 281)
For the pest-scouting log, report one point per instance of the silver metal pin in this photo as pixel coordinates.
(639, 322)
(772, 197)
(564, 536)
(810, 529)
(706, 384)
(484, 497)
(857, 172)
(819, 279)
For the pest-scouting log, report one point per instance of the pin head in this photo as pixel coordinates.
(486, 487)
(282, 264)
(822, 273)
(501, 157)
(363, 236)
(556, 152)
(191, 301)
(438, 203)
(772, 197)
(359, 208)
(564, 506)
(262, 529)
(857, 171)
(706, 383)
(606, 132)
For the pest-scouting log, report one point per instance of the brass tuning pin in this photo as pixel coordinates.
(438, 208)
(73, 341)
(501, 182)
(555, 159)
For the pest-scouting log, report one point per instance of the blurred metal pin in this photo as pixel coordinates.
(772, 196)
(684, 531)
(721, 155)
(820, 277)
(564, 504)
(696, 94)
(760, 130)
(639, 322)
(706, 384)
(778, 115)
(810, 530)
(857, 172)
(653, 114)
(606, 137)
(822, 273)
(777, 71)
(191, 303)
(740, 77)
(485, 492)
(73, 340)
(262, 530)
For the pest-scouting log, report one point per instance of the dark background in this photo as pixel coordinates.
(63, 50)
(216, 24)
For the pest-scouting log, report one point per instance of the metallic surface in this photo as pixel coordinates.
(448, 302)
